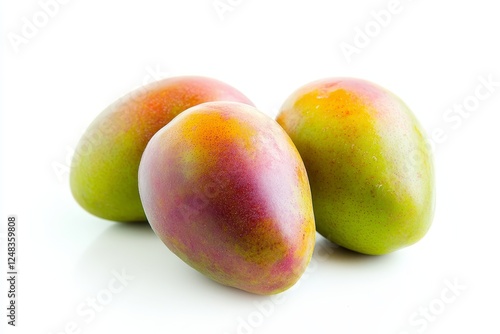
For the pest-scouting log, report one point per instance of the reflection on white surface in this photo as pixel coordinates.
(136, 249)
(163, 284)
(90, 53)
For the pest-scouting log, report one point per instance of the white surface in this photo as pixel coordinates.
(92, 52)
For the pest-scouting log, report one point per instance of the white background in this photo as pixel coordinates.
(89, 53)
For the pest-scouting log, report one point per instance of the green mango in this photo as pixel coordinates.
(370, 169)
(104, 170)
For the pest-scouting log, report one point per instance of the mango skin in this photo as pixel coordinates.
(103, 176)
(225, 189)
(370, 170)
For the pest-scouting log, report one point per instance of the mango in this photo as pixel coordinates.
(370, 170)
(103, 175)
(225, 189)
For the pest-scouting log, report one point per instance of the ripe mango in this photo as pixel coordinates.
(104, 169)
(370, 170)
(225, 189)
